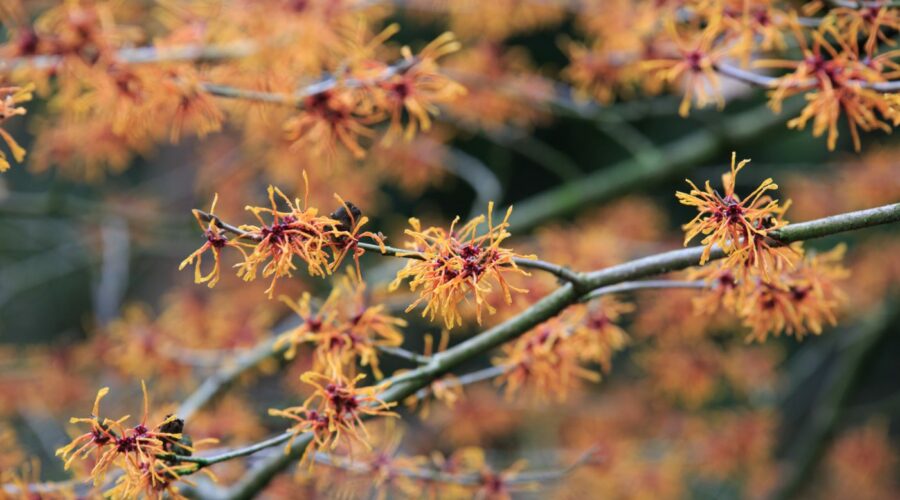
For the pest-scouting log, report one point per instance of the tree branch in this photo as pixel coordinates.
(467, 379)
(675, 158)
(401, 386)
(148, 54)
(630, 286)
(405, 354)
(297, 98)
(232, 369)
(688, 257)
(470, 479)
(560, 272)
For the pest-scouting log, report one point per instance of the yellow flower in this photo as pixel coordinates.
(345, 329)
(450, 264)
(734, 224)
(830, 80)
(300, 232)
(797, 302)
(545, 360)
(695, 65)
(334, 412)
(215, 242)
(328, 118)
(596, 335)
(9, 108)
(321, 241)
(136, 451)
(418, 90)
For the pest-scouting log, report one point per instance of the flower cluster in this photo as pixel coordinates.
(334, 412)
(269, 248)
(694, 67)
(669, 44)
(215, 242)
(848, 65)
(296, 232)
(799, 301)
(448, 265)
(133, 100)
(10, 98)
(368, 91)
(551, 358)
(544, 361)
(773, 288)
(140, 452)
(739, 226)
(836, 77)
(344, 329)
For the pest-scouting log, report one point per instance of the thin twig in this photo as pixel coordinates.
(234, 453)
(467, 379)
(681, 259)
(405, 354)
(247, 360)
(466, 479)
(630, 286)
(297, 99)
(561, 272)
(148, 54)
(764, 81)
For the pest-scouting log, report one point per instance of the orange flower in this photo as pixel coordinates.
(544, 360)
(684, 371)
(322, 242)
(11, 97)
(215, 242)
(599, 74)
(300, 232)
(798, 302)
(723, 288)
(695, 65)
(334, 412)
(97, 439)
(831, 80)
(595, 334)
(136, 451)
(862, 463)
(871, 21)
(344, 329)
(499, 485)
(419, 89)
(734, 224)
(191, 107)
(328, 119)
(455, 262)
